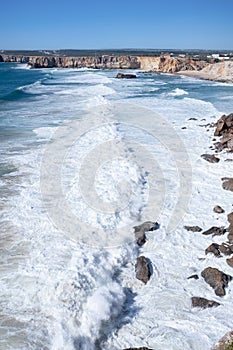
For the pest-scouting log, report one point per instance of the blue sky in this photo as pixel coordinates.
(204, 24)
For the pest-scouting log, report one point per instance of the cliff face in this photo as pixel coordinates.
(102, 62)
(157, 64)
(169, 64)
(221, 71)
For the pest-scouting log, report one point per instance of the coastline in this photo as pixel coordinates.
(219, 72)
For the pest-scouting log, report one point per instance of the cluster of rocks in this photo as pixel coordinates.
(142, 266)
(218, 280)
(224, 129)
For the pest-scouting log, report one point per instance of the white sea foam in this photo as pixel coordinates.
(60, 294)
(177, 92)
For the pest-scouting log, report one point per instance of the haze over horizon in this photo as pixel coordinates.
(159, 25)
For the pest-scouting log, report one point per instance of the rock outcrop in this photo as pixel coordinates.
(225, 342)
(142, 269)
(221, 71)
(219, 210)
(211, 158)
(224, 129)
(218, 280)
(203, 303)
(140, 231)
(126, 76)
(168, 64)
(215, 231)
(227, 183)
(156, 64)
(193, 228)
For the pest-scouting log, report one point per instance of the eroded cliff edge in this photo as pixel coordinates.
(158, 64)
(222, 71)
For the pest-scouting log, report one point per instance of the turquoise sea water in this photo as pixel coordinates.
(55, 293)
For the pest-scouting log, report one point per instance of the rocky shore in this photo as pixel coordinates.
(221, 71)
(156, 64)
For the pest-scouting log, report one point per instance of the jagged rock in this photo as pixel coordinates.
(230, 262)
(227, 183)
(142, 269)
(203, 303)
(193, 228)
(226, 249)
(230, 237)
(213, 248)
(218, 209)
(140, 231)
(194, 277)
(192, 119)
(141, 240)
(230, 218)
(224, 124)
(215, 231)
(210, 158)
(224, 342)
(218, 280)
(224, 128)
(126, 76)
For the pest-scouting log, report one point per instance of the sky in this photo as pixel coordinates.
(102, 24)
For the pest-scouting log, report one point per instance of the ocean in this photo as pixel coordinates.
(84, 158)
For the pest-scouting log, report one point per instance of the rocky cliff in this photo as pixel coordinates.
(221, 71)
(157, 64)
(101, 62)
(170, 64)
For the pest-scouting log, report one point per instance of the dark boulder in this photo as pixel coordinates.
(225, 343)
(213, 248)
(210, 158)
(140, 231)
(215, 231)
(142, 269)
(227, 183)
(218, 280)
(195, 277)
(126, 76)
(219, 210)
(203, 303)
(225, 249)
(230, 262)
(193, 228)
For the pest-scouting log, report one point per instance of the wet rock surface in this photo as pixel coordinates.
(213, 248)
(218, 280)
(230, 262)
(224, 342)
(203, 303)
(227, 183)
(219, 210)
(126, 76)
(210, 158)
(140, 231)
(215, 231)
(142, 269)
(195, 277)
(193, 228)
